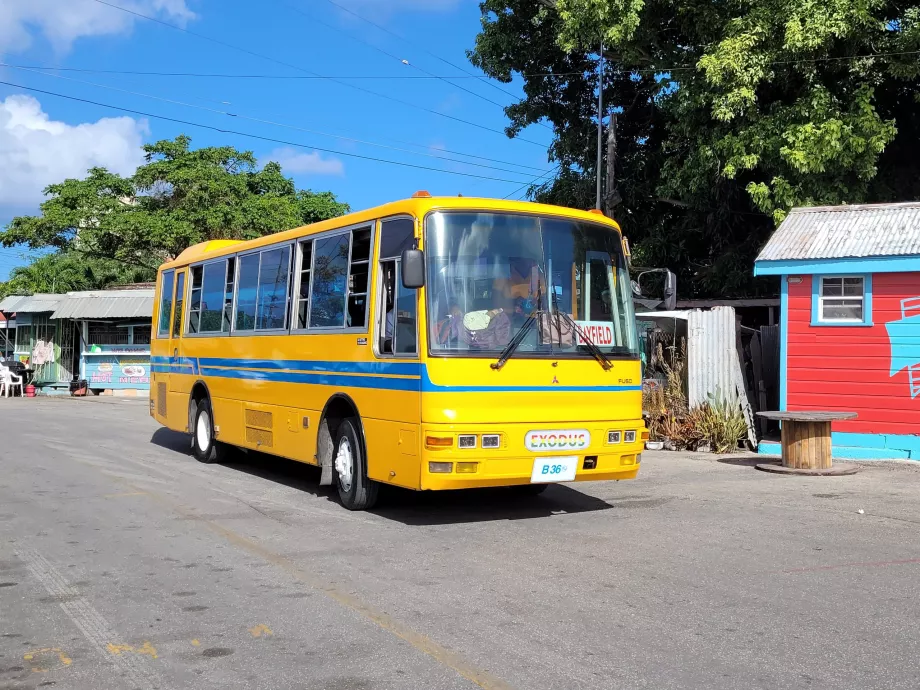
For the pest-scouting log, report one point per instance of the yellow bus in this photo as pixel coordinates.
(431, 343)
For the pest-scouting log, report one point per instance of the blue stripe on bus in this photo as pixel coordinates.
(392, 368)
(367, 375)
(337, 380)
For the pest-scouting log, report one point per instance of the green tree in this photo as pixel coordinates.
(177, 198)
(64, 271)
(728, 114)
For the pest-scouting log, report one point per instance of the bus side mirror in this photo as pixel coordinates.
(670, 291)
(413, 269)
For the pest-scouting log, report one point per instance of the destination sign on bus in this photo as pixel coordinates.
(600, 332)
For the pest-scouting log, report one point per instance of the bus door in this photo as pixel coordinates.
(393, 453)
(177, 370)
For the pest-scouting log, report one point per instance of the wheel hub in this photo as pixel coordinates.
(203, 430)
(344, 464)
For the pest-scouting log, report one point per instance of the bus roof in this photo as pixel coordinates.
(417, 206)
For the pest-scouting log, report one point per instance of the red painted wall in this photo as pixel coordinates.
(847, 368)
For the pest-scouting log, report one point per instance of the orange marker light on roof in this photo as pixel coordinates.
(596, 211)
(421, 194)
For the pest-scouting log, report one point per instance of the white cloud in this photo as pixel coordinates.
(36, 151)
(64, 21)
(293, 161)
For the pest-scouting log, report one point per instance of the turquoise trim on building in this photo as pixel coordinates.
(846, 445)
(783, 338)
(867, 301)
(868, 264)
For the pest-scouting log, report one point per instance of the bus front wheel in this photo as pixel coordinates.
(356, 491)
(204, 446)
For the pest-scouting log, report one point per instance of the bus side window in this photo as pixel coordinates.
(194, 307)
(406, 319)
(179, 304)
(228, 296)
(166, 300)
(386, 328)
(397, 320)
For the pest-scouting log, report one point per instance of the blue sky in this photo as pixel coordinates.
(44, 138)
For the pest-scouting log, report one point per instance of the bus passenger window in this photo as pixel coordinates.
(330, 268)
(166, 298)
(228, 296)
(303, 299)
(273, 289)
(246, 293)
(180, 304)
(194, 307)
(358, 278)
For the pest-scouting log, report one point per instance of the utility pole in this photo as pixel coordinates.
(600, 124)
(611, 195)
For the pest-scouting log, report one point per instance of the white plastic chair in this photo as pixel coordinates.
(9, 380)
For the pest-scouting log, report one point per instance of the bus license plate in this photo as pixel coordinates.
(547, 470)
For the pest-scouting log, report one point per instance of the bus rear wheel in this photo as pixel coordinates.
(356, 491)
(205, 447)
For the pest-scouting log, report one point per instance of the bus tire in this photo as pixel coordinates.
(204, 446)
(356, 491)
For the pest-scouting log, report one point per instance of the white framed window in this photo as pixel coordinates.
(841, 299)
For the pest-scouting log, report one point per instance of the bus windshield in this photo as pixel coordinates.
(489, 272)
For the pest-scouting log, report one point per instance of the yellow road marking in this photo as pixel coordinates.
(45, 651)
(145, 648)
(261, 631)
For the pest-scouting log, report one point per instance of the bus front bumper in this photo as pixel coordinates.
(512, 464)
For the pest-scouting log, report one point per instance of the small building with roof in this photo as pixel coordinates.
(850, 322)
(101, 337)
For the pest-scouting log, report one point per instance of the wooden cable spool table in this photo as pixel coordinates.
(806, 443)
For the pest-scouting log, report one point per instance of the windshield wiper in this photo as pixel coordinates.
(585, 340)
(516, 340)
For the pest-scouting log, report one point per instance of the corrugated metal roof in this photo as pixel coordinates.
(833, 232)
(106, 304)
(7, 304)
(31, 304)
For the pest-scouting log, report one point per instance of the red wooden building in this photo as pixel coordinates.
(850, 320)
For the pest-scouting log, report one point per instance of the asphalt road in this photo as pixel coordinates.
(124, 563)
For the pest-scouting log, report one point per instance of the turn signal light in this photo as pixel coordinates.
(440, 467)
(645, 436)
(467, 467)
(439, 441)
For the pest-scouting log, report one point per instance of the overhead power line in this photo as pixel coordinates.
(527, 185)
(220, 75)
(388, 54)
(277, 124)
(485, 80)
(315, 74)
(397, 77)
(249, 135)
